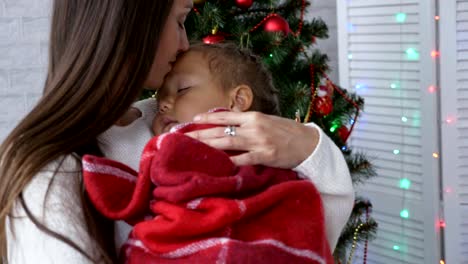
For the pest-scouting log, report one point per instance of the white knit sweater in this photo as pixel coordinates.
(325, 167)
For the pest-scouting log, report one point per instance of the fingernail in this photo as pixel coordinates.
(197, 118)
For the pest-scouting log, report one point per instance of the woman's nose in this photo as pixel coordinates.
(184, 43)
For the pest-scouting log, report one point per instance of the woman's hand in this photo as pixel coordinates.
(268, 140)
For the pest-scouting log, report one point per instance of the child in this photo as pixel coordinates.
(212, 76)
(197, 74)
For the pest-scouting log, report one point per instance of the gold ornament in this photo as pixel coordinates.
(353, 247)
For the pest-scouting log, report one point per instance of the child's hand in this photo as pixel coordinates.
(131, 115)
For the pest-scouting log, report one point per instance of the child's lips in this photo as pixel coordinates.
(168, 123)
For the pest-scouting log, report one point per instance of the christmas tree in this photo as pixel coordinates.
(277, 32)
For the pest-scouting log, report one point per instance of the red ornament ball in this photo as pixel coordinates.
(244, 4)
(276, 23)
(343, 132)
(324, 105)
(213, 39)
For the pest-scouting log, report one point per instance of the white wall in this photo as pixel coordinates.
(24, 28)
(326, 9)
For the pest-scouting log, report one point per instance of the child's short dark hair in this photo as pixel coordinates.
(234, 66)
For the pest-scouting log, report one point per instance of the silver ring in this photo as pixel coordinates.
(230, 131)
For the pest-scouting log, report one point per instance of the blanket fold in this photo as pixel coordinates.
(190, 204)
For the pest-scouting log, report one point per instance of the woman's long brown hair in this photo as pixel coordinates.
(100, 54)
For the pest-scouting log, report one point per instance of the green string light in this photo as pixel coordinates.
(401, 17)
(412, 54)
(333, 128)
(396, 247)
(405, 183)
(404, 214)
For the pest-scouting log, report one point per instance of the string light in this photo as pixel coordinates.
(412, 54)
(437, 18)
(394, 85)
(442, 262)
(442, 224)
(350, 56)
(405, 183)
(450, 120)
(401, 17)
(271, 55)
(404, 119)
(344, 148)
(396, 247)
(404, 214)
(435, 155)
(333, 128)
(448, 190)
(396, 151)
(435, 54)
(432, 89)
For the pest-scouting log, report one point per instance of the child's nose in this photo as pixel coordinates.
(163, 107)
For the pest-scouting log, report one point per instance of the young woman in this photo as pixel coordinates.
(101, 55)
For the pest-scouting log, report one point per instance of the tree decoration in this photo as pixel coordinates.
(343, 132)
(244, 4)
(323, 105)
(215, 37)
(275, 23)
(212, 39)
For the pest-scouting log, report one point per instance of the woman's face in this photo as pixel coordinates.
(172, 41)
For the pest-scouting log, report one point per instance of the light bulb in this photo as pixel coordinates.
(400, 17)
(404, 214)
(405, 183)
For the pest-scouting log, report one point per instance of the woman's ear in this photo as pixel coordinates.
(241, 98)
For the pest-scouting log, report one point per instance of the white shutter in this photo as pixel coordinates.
(399, 115)
(454, 76)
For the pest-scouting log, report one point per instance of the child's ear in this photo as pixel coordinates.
(241, 98)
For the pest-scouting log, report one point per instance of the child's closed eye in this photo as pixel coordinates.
(182, 90)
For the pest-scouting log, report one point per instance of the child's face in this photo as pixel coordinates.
(189, 89)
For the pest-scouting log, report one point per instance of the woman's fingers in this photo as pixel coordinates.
(223, 118)
(247, 158)
(216, 138)
(209, 133)
(263, 139)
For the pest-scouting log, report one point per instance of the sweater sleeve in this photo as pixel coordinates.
(55, 202)
(327, 169)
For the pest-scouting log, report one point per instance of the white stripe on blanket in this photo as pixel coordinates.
(104, 169)
(212, 242)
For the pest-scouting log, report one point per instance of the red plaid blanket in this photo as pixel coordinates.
(190, 204)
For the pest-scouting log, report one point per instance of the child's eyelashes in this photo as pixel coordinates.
(182, 90)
